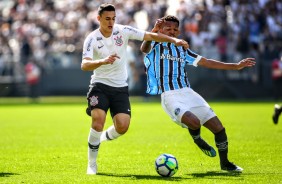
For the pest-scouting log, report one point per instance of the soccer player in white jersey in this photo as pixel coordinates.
(104, 53)
(277, 112)
(166, 75)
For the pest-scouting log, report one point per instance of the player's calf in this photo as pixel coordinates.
(203, 145)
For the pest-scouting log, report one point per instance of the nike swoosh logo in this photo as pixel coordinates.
(99, 47)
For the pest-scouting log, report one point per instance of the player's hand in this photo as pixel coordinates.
(111, 59)
(158, 25)
(247, 62)
(183, 43)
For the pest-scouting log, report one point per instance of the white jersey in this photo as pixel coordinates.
(96, 46)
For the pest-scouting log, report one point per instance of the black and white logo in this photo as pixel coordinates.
(177, 111)
(99, 47)
(116, 32)
(172, 58)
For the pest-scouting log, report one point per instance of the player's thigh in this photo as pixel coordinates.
(177, 102)
(190, 120)
(97, 98)
(180, 112)
(172, 103)
(119, 102)
(121, 110)
(98, 102)
(98, 119)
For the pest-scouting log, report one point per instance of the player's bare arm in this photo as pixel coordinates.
(89, 65)
(159, 37)
(146, 45)
(214, 64)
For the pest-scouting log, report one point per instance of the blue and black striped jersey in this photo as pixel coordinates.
(165, 67)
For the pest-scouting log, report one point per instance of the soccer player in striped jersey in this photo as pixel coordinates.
(165, 67)
(104, 53)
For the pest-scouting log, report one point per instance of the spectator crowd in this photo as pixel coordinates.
(51, 32)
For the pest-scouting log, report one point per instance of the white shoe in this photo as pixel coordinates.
(92, 168)
(229, 166)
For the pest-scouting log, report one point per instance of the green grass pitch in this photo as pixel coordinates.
(47, 143)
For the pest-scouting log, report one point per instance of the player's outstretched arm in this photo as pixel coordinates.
(89, 65)
(159, 37)
(214, 64)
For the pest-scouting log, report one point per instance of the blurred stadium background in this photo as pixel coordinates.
(50, 34)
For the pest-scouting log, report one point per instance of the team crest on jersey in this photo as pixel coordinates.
(177, 111)
(93, 100)
(118, 40)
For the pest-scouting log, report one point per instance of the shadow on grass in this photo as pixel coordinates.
(212, 174)
(141, 177)
(6, 174)
(207, 175)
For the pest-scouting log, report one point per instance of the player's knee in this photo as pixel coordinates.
(97, 127)
(214, 125)
(98, 124)
(194, 125)
(122, 128)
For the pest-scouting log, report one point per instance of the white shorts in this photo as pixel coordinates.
(177, 102)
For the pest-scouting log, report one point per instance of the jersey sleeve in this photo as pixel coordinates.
(133, 33)
(192, 58)
(88, 47)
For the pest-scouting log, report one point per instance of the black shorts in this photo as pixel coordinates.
(106, 97)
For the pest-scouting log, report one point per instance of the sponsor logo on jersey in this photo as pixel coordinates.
(116, 32)
(89, 44)
(130, 29)
(170, 57)
(99, 47)
(118, 40)
(93, 100)
(99, 38)
(177, 111)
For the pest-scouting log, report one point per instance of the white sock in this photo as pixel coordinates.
(109, 134)
(93, 145)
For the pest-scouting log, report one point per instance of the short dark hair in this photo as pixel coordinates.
(105, 7)
(171, 18)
